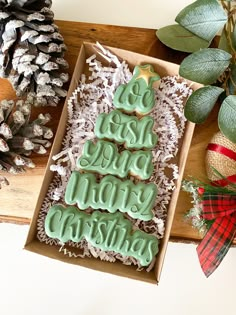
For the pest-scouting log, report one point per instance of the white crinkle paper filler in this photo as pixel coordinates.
(93, 96)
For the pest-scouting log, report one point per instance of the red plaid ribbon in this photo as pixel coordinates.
(222, 209)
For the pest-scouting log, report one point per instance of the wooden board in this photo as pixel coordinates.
(18, 201)
(195, 167)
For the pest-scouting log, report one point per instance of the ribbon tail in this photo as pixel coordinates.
(216, 243)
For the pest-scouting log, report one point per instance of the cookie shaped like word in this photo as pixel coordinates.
(111, 194)
(109, 232)
(104, 158)
(137, 95)
(133, 132)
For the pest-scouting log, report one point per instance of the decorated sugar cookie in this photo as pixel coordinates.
(124, 129)
(138, 94)
(107, 231)
(104, 158)
(111, 194)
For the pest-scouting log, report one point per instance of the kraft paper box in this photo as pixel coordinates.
(117, 268)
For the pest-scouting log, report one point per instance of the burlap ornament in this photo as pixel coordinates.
(219, 158)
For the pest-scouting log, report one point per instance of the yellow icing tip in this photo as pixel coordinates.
(146, 73)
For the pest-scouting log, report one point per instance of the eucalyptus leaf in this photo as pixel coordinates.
(203, 18)
(227, 118)
(201, 102)
(178, 38)
(205, 66)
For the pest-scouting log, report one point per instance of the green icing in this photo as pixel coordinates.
(138, 94)
(104, 158)
(135, 133)
(111, 194)
(109, 232)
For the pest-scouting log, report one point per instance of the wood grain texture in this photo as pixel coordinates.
(17, 201)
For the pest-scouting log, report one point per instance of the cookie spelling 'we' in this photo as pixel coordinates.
(138, 94)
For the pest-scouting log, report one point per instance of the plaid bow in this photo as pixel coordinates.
(222, 209)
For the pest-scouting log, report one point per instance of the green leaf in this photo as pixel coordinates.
(178, 38)
(201, 102)
(203, 18)
(227, 118)
(205, 66)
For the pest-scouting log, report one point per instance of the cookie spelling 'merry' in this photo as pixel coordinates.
(107, 231)
(137, 95)
(111, 194)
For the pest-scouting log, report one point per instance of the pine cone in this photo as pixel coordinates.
(32, 50)
(19, 137)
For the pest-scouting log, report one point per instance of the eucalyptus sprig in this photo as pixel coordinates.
(198, 24)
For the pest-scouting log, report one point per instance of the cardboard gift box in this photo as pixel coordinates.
(117, 268)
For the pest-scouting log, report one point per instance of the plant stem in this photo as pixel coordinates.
(224, 5)
(229, 27)
(224, 85)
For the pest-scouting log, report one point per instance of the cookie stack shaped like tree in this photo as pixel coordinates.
(121, 154)
(32, 50)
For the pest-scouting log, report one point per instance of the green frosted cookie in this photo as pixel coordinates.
(111, 194)
(137, 95)
(124, 129)
(104, 158)
(109, 232)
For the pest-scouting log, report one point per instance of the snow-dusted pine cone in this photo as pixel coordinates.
(19, 137)
(32, 50)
